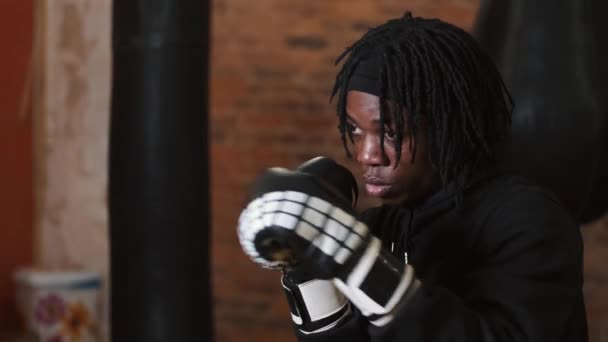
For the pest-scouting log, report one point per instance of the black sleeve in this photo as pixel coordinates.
(526, 287)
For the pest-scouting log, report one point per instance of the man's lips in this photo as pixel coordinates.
(375, 187)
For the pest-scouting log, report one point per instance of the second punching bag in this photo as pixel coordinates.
(547, 51)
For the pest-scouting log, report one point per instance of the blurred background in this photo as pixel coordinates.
(271, 72)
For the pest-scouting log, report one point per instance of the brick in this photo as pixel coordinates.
(312, 42)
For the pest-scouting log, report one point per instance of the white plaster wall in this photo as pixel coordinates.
(72, 133)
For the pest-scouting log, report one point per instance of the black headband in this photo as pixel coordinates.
(366, 77)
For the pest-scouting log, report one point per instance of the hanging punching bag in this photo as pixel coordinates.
(158, 192)
(598, 197)
(547, 51)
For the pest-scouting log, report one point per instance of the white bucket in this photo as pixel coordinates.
(60, 306)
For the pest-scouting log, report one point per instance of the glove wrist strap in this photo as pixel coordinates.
(316, 305)
(378, 283)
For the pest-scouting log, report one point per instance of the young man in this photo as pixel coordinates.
(456, 251)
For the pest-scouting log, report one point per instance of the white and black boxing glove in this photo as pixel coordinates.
(316, 304)
(295, 218)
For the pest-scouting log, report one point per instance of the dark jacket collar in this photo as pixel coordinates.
(447, 197)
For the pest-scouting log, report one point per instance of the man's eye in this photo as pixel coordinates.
(389, 134)
(352, 129)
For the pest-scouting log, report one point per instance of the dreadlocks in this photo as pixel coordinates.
(432, 75)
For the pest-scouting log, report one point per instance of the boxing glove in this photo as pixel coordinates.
(295, 219)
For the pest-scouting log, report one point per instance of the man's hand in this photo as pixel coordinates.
(316, 305)
(297, 218)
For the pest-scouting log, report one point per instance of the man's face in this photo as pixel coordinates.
(392, 183)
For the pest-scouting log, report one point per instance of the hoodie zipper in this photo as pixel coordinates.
(400, 238)
(408, 240)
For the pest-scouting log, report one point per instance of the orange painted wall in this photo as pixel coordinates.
(16, 198)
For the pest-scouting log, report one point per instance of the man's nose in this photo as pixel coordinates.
(370, 153)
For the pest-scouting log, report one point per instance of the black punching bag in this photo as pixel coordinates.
(548, 52)
(159, 187)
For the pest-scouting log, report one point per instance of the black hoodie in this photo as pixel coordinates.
(500, 262)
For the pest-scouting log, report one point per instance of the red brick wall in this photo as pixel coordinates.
(272, 70)
(16, 202)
